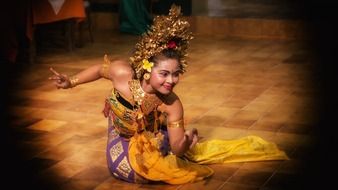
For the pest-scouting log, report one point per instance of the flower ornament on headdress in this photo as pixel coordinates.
(171, 44)
(166, 32)
(147, 65)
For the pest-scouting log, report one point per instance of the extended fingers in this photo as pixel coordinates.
(57, 76)
(54, 72)
(54, 77)
(191, 132)
(195, 131)
(189, 135)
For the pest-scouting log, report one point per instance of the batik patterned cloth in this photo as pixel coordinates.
(117, 156)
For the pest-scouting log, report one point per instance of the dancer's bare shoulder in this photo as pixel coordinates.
(121, 70)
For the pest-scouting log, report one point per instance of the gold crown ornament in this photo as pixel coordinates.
(166, 32)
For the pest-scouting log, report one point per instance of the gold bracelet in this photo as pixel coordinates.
(105, 67)
(73, 81)
(176, 124)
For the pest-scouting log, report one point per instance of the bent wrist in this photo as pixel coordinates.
(73, 81)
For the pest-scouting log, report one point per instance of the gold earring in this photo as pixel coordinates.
(146, 76)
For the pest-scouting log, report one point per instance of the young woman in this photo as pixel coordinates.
(147, 140)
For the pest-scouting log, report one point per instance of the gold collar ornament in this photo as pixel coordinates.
(167, 32)
(146, 102)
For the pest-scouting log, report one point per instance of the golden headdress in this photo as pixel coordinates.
(166, 32)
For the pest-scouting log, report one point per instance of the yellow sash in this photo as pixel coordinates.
(147, 161)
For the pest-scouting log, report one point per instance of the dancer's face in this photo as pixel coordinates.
(165, 75)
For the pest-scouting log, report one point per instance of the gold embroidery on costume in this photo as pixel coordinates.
(124, 167)
(128, 115)
(147, 101)
(146, 104)
(176, 124)
(123, 128)
(116, 151)
(142, 116)
(113, 135)
(137, 91)
(150, 102)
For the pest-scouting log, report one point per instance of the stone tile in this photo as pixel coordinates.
(266, 166)
(96, 173)
(158, 185)
(79, 184)
(112, 183)
(284, 181)
(238, 186)
(217, 116)
(66, 169)
(212, 184)
(60, 151)
(267, 126)
(250, 177)
(52, 138)
(224, 171)
(88, 156)
(47, 125)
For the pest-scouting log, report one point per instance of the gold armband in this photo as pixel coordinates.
(105, 67)
(73, 81)
(176, 124)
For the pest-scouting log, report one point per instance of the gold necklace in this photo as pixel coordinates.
(147, 102)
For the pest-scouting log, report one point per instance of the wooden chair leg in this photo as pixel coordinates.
(90, 30)
(32, 49)
(89, 24)
(69, 34)
(84, 30)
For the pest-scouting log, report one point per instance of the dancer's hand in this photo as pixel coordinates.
(191, 137)
(60, 80)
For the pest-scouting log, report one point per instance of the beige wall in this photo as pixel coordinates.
(233, 27)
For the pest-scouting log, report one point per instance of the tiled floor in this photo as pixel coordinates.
(233, 88)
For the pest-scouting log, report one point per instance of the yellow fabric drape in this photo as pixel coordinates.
(250, 148)
(148, 162)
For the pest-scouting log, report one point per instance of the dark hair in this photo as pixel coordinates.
(167, 54)
(171, 53)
